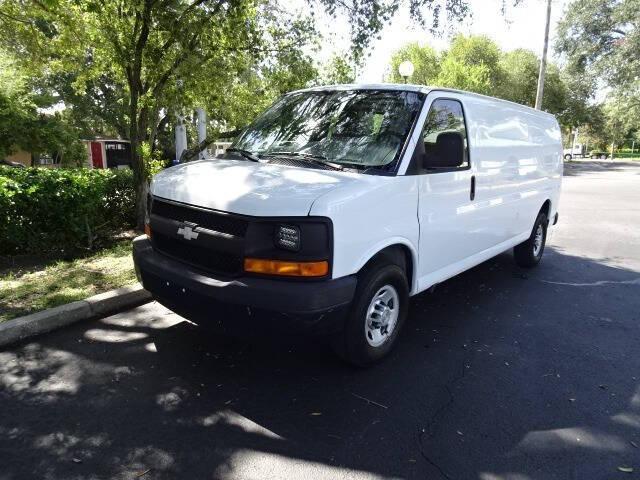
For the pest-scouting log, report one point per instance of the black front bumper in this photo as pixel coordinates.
(315, 307)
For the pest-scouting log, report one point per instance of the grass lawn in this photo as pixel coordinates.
(28, 290)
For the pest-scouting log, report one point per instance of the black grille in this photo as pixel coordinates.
(219, 222)
(199, 257)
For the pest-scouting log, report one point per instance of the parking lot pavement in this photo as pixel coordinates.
(500, 374)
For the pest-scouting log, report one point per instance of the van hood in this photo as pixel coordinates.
(248, 188)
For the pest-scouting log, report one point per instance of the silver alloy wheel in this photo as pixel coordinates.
(382, 316)
(537, 241)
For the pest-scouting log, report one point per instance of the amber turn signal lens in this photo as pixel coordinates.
(291, 269)
(147, 230)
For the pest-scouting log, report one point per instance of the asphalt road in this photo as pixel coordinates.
(499, 374)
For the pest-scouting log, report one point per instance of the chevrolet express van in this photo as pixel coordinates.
(339, 203)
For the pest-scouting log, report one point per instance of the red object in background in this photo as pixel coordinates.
(96, 155)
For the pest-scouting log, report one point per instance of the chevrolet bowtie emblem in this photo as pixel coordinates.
(187, 232)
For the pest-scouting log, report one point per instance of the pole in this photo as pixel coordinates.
(181, 137)
(573, 144)
(202, 130)
(543, 61)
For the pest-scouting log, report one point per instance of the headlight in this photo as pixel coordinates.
(288, 237)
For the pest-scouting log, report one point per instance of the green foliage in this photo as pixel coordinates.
(477, 64)
(61, 210)
(473, 78)
(338, 70)
(601, 42)
(472, 63)
(425, 61)
(601, 38)
(22, 126)
(153, 159)
(368, 18)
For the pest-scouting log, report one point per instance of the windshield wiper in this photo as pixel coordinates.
(245, 153)
(309, 157)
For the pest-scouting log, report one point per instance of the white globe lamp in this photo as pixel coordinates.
(405, 69)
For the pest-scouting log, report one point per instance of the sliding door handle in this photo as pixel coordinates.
(473, 187)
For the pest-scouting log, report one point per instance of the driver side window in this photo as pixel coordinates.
(445, 137)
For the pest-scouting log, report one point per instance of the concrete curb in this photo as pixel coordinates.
(21, 328)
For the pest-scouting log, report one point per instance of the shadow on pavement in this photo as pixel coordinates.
(575, 168)
(500, 373)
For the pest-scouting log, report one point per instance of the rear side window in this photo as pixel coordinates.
(445, 118)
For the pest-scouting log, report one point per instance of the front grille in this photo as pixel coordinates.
(199, 257)
(220, 222)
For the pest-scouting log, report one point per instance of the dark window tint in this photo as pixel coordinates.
(444, 117)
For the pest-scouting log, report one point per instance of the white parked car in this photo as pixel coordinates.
(339, 203)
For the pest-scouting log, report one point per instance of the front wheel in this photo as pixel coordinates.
(377, 315)
(529, 252)
(567, 156)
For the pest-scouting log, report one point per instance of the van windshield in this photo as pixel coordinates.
(356, 128)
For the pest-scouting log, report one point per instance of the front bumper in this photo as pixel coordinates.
(315, 307)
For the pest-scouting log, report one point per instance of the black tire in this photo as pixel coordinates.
(351, 344)
(567, 156)
(526, 254)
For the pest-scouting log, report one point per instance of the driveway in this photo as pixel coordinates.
(500, 373)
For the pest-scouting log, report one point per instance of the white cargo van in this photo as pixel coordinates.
(339, 203)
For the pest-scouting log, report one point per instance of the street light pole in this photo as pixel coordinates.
(543, 62)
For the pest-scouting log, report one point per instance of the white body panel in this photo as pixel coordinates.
(515, 156)
(248, 188)
(369, 216)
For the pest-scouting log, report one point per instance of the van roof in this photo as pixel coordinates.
(408, 87)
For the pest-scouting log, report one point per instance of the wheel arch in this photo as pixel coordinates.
(546, 208)
(400, 252)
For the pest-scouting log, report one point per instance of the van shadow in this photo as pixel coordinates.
(496, 375)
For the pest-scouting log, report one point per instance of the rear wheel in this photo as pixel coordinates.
(529, 252)
(377, 315)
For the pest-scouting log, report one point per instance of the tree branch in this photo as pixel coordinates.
(15, 19)
(174, 30)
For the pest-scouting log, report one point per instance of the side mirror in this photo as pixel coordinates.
(448, 151)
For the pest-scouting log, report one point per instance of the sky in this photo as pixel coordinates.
(520, 27)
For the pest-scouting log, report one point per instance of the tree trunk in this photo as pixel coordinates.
(140, 176)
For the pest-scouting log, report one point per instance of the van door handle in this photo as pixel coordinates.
(473, 187)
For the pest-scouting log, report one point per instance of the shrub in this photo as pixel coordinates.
(61, 210)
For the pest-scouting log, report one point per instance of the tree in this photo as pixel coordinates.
(601, 42)
(477, 64)
(148, 55)
(23, 126)
(520, 69)
(142, 51)
(602, 38)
